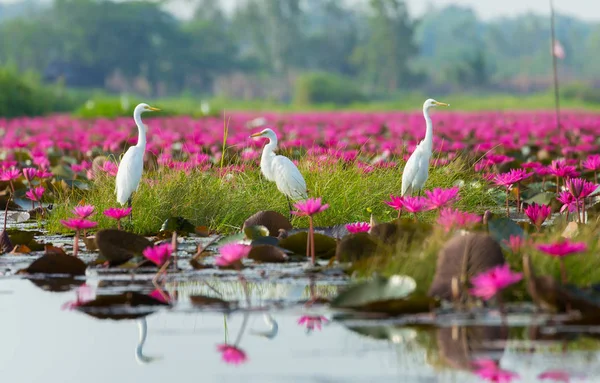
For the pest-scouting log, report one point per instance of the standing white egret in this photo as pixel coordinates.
(132, 163)
(281, 170)
(416, 170)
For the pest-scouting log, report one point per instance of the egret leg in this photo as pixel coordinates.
(289, 206)
(130, 214)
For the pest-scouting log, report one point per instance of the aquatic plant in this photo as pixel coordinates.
(118, 213)
(231, 254)
(78, 224)
(309, 208)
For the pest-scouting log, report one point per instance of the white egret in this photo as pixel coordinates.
(416, 170)
(132, 164)
(281, 170)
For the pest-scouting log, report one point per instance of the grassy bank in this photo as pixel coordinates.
(224, 203)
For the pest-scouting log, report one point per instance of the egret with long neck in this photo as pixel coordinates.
(416, 170)
(132, 163)
(281, 170)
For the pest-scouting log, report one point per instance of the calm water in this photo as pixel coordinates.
(43, 341)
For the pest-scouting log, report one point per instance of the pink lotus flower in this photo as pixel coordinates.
(580, 188)
(232, 354)
(396, 202)
(309, 207)
(488, 283)
(110, 168)
(10, 174)
(78, 224)
(30, 173)
(568, 201)
(42, 174)
(516, 243)
(312, 322)
(439, 198)
(35, 194)
(592, 162)
(158, 254)
(83, 211)
(563, 248)
(415, 204)
(560, 169)
(453, 218)
(117, 213)
(358, 227)
(538, 214)
(511, 177)
(555, 375)
(231, 254)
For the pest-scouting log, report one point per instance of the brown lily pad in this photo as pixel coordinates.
(117, 246)
(272, 220)
(267, 253)
(462, 257)
(90, 243)
(401, 231)
(324, 246)
(56, 263)
(211, 302)
(118, 307)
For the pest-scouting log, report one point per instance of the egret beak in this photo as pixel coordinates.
(256, 134)
(441, 103)
(153, 109)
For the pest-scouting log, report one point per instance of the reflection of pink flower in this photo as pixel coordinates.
(158, 254)
(358, 227)
(309, 207)
(160, 295)
(488, 370)
(231, 354)
(555, 375)
(232, 253)
(84, 293)
(488, 283)
(312, 322)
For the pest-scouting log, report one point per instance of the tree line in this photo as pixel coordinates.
(267, 45)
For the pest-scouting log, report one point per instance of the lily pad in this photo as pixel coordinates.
(267, 253)
(18, 216)
(90, 243)
(544, 198)
(178, 224)
(355, 246)
(20, 237)
(297, 244)
(255, 232)
(129, 305)
(5, 243)
(118, 247)
(378, 289)
(273, 241)
(272, 220)
(413, 304)
(502, 228)
(57, 263)
(238, 237)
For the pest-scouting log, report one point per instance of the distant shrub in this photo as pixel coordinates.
(323, 88)
(581, 92)
(112, 107)
(24, 95)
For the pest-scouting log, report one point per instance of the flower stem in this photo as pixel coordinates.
(6, 211)
(76, 243)
(311, 234)
(563, 271)
(518, 198)
(557, 182)
(578, 210)
(507, 194)
(119, 224)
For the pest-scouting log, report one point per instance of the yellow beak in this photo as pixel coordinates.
(256, 134)
(441, 103)
(153, 109)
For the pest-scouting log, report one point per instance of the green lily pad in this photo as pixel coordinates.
(296, 243)
(544, 198)
(379, 289)
(21, 237)
(177, 224)
(238, 237)
(254, 232)
(502, 228)
(355, 246)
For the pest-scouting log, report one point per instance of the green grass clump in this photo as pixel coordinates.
(223, 203)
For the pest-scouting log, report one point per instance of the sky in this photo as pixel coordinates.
(487, 9)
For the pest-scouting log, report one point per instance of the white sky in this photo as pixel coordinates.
(486, 9)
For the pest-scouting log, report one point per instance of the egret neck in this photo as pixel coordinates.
(428, 141)
(137, 117)
(266, 159)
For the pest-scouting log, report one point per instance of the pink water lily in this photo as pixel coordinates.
(78, 224)
(232, 254)
(309, 208)
(537, 214)
(453, 218)
(83, 211)
(439, 198)
(488, 283)
(35, 194)
(562, 249)
(117, 213)
(158, 254)
(358, 227)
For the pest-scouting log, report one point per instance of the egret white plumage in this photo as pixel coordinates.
(132, 164)
(281, 170)
(416, 170)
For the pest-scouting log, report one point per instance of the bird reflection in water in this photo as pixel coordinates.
(139, 353)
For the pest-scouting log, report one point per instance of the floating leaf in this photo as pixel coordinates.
(373, 291)
(544, 198)
(179, 224)
(21, 237)
(482, 253)
(212, 303)
(272, 220)
(255, 232)
(118, 247)
(297, 243)
(129, 305)
(198, 265)
(57, 284)
(18, 216)
(401, 231)
(355, 246)
(238, 237)
(56, 263)
(267, 253)
(273, 241)
(502, 228)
